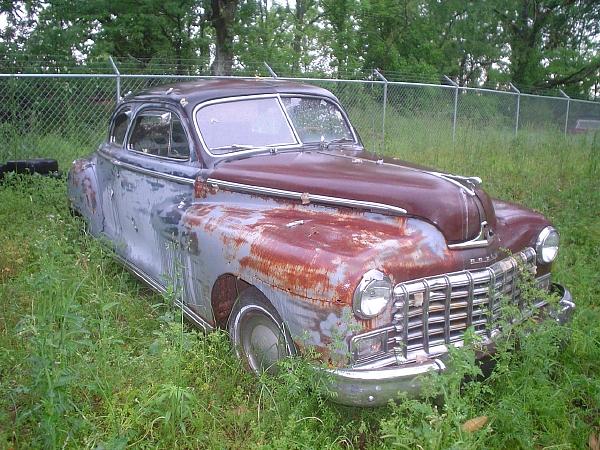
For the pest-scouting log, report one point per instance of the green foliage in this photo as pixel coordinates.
(537, 45)
(90, 358)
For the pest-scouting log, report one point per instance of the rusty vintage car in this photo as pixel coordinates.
(257, 200)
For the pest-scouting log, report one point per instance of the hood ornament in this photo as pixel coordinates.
(481, 240)
(469, 184)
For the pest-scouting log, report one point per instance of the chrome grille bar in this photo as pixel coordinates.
(426, 315)
(513, 294)
(437, 310)
(447, 309)
(405, 308)
(492, 297)
(470, 299)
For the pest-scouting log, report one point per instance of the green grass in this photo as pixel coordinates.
(89, 358)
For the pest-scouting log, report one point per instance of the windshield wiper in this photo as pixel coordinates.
(233, 147)
(236, 147)
(325, 144)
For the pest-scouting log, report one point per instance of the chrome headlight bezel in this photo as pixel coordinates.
(372, 295)
(548, 256)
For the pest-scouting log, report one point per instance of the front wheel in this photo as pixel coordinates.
(258, 334)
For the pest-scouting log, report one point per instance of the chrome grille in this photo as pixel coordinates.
(433, 312)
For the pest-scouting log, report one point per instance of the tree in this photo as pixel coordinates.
(467, 45)
(396, 37)
(222, 15)
(341, 16)
(552, 42)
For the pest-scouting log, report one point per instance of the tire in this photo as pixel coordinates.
(259, 336)
(43, 166)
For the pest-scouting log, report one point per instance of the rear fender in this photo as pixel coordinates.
(82, 186)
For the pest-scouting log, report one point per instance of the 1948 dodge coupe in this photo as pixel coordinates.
(258, 201)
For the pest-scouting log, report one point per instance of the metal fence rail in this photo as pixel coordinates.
(77, 107)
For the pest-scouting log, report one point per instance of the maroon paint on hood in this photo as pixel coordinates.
(419, 192)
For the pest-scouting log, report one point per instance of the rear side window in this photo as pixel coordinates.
(119, 127)
(159, 133)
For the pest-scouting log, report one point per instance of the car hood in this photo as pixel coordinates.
(445, 202)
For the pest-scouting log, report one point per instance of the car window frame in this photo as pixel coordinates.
(215, 157)
(165, 109)
(111, 125)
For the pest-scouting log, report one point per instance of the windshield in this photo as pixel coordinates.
(231, 126)
(255, 123)
(317, 119)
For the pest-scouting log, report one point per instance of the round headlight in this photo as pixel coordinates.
(546, 245)
(372, 294)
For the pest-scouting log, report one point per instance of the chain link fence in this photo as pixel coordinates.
(41, 114)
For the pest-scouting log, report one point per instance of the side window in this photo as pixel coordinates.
(178, 147)
(119, 127)
(159, 133)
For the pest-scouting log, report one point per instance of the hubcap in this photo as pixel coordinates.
(262, 342)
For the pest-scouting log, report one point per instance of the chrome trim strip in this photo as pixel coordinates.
(305, 196)
(191, 315)
(139, 273)
(159, 288)
(154, 173)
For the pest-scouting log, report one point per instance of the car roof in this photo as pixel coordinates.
(201, 90)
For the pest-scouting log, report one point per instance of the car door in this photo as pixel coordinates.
(156, 169)
(107, 172)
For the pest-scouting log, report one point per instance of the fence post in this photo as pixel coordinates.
(449, 80)
(568, 108)
(271, 71)
(512, 86)
(118, 74)
(385, 91)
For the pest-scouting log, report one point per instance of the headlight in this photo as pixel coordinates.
(546, 245)
(372, 294)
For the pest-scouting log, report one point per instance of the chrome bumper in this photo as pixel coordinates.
(376, 387)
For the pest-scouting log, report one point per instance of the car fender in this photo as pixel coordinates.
(82, 186)
(307, 259)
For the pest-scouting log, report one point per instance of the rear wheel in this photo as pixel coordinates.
(258, 334)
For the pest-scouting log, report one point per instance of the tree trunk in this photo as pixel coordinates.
(223, 18)
(299, 13)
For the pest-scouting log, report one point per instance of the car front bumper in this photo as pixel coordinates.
(375, 387)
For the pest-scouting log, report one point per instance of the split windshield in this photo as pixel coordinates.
(256, 123)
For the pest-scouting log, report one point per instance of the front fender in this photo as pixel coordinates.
(307, 259)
